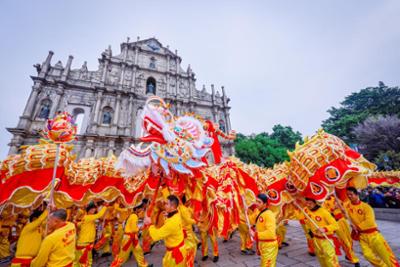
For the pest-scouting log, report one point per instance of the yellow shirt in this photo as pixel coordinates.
(131, 224)
(323, 219)
(171, 231)
(331, 206)
(361, 215)
(87, 233)
(266, 225)
(187, 217)
(58, 248)
(31, 237)
(123, 213)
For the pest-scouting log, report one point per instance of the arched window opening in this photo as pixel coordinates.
(152, 64)
(45, 107)
(107, 115)
(151, 86)
(79, 115)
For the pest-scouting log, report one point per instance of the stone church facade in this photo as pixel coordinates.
(107, 102)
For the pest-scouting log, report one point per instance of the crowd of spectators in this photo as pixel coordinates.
(381, 197)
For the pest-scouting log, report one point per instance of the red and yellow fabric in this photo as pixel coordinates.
(306, 230)
(387, 178)
(108, 230)
(343, 233)
(190, 237)
(373, 245)
(58, 248)
(280, 234)
(6, 226)
(86, 238)
(267, 245)
(324, 249)
(29, 241)
(204, 236)
(130, 243)
(172, 234)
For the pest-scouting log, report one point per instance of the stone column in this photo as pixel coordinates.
(133, 82)
(168, 89)
(56, 101)
(89, 148)
(111, 146)
(228, 120)
(46, 65)
(95, 120)
(105, 69)
(114, 127)
(65, 73)
(128, 128)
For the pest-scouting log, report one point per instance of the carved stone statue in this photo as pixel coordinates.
(107, 117)
(44, 110)
(151, 89)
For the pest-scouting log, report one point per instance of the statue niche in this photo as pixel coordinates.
(151, 86)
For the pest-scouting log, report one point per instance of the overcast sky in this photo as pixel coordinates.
(280, 61)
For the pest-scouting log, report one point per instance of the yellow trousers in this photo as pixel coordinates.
(376, 250)
(107, 233)
(268, 253)
(245, 240)
(204, 243)
(325, 252)
(344, 236)
(169, 261)
(310, 242)
(191, 247)
(280, 234)
(78, 254)
(137, 252)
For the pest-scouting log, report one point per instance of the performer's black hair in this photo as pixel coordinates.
(173, 199)
(352, 189)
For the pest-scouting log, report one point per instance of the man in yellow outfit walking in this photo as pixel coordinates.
(265, 233)
(190, 237)
(373, 245)
(322, 226)
(130, 243)
(172, 234)
(87, 235)
(58, 248)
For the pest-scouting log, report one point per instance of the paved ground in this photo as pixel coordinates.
(294, 255)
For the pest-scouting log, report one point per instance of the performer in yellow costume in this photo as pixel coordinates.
(30, 239)
(207, 233)
(58, 248)
(343, 233)
(310, 242)
(104, 243)
(373, 245)
(6, 223)
(87, 235)
(190, 237)
(172, 234)
(324, 248)
(130, 243)
(265, 235)
(246, 244)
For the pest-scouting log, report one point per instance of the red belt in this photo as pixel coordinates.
(132, 240)
(24, 262)
(368, 231)
(69, 265)
(83, 259)
(176, 252)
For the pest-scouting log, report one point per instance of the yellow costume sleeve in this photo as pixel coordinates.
(369, 218)
(43, 254)
(266, 225)
(332, 224)
(96, 216)
(162, 232)
(187, 217)
(36, 223)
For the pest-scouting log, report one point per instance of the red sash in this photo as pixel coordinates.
(335, 240)
(132, 240)
(368, 231)
(339, 216)
(24, 262)
(176, 252)
(84, 258)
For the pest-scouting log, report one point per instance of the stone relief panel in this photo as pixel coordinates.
(172, 65)
(113, 75)
(124, 117)
(127, 78)
(140, 84)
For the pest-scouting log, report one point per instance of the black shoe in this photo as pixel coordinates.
(147, 252)
(105, 254)
(311, 254)
(250, 252)
(357, 264)
(243, 252)
(216, 258)
(150, 265)
(204, 258)
(198, 245)
(225, 240)
(284, 244)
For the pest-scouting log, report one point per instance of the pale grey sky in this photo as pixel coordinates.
(280, 61)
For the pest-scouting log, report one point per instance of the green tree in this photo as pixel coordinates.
(355, 108)
(264, 149)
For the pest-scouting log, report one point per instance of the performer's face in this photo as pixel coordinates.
(169, 207)
(310, 204)
(353, 197)
(260, 204)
